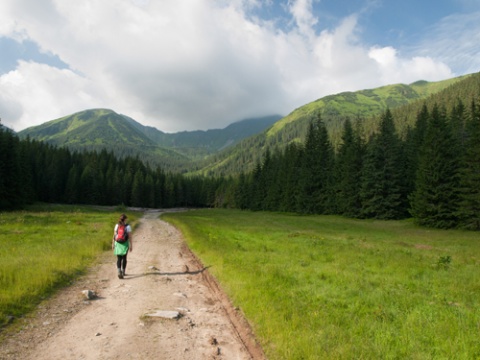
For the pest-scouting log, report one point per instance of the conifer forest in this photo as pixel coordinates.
(431, 173)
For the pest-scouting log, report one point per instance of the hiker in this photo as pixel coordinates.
(122, 243)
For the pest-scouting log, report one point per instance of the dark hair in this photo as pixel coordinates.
(123, 217)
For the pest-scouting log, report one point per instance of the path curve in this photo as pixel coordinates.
(162, 274)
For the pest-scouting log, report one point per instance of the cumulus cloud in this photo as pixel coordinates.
(35, 93)
(186, 65)
(393, 69)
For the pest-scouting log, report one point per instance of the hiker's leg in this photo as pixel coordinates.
(124, 265)
(119, 266)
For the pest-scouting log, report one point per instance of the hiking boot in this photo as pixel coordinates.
(120, 274)
(123, 272)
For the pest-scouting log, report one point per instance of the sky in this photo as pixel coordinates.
(183, 65)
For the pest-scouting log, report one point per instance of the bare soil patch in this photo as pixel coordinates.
(162, 275)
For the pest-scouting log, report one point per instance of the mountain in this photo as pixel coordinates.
(90, 127)
(98, 129)
(200, 143)
(366, 105)
(240, 146)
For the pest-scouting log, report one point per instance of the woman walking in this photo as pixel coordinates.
(122, 242)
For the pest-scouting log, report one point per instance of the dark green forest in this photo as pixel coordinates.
(421, 161)
(432, 175)
(32, 171)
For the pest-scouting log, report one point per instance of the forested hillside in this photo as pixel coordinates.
(238, 147)
(433, 174)
(98, 129)
(422, 161)
(33, 171)
(366, 105)
(198, 144)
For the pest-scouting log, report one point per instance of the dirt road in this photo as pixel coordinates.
(161, 275)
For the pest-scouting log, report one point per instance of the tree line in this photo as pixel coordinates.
(33, 171)
(431, 174)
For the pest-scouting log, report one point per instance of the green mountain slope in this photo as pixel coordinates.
(90, 127)
(363, 103)
(197, 144)
(98, 129)
(241, 145)
(334, 109)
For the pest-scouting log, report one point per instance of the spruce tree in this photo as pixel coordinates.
(27, 189)
(71, 194)
(469, 212)
(241, 193)
(383, 174)
(434, 202)
(159, 187)
(348, 168)
(413, 144)
(138, 189)
(4, 176)
(315, 183)
(256, 189)
(458, 120)
(289, 173)
(11, 183)
(274, 182)
(149, 191)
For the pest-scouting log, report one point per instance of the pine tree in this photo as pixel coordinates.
(458, 122)
(469, 212)
(71, 194)
(242, 192)
(348, 169)
(4, 203)
(169, 199)
(27, 189)
(256, 189)
(138, 189)
(11, 181)
(149, 191)
(159, 187)
(383, 174)
(434, 202)
(290, 173)
(273, 182)
(414, 140)
(315, 184)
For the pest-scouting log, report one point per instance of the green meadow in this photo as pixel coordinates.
(45, 248)
(326, 287)
(312, 287)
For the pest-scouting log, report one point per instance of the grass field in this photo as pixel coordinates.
(326, 287)
(46, 247)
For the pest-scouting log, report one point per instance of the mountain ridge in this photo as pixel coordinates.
(333, 109)
(96, 129)
(239, 146)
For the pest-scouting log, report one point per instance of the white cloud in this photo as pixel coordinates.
(393, 69)
(186, 65)
(34, 93)
(301, 11)
(455, 40)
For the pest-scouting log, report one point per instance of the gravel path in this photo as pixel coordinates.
(162, 275)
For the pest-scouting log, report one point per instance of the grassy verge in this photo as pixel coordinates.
(46, 247)
(325, 287)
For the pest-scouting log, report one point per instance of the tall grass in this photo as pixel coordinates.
(326, 287)
(45, 248)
